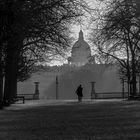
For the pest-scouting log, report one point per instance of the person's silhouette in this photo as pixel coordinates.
(79, 92)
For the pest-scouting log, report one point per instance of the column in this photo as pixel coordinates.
(139, 84)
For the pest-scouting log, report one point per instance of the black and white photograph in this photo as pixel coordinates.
(69, 69)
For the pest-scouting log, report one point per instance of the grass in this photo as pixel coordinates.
(99, 121)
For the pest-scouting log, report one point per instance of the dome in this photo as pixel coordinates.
(81, 53)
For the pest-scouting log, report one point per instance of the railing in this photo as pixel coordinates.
(111, 95)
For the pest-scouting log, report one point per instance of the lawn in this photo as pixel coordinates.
(73, 121)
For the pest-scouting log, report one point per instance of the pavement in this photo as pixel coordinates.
(44, 102)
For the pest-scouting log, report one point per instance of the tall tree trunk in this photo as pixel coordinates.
(128, 73)
(134, 82)
(128, 85)
(8, 79)
(14, 79)
(10, 75)
(1, 73)
(11, 70)
(1, 86)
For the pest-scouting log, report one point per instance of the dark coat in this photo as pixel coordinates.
(79, 91)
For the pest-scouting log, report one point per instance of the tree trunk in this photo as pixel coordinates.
(14, 80)
(1, 75)
(134, 85)
(10, 89)
(8, 80)
(1, 89)
(128, 78)
(134, 82)
(128, 87)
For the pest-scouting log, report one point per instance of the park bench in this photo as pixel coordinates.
(19, 97)
(28, 96)
(24, 97)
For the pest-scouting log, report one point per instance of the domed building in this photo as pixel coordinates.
(81, 52)
(60, 82)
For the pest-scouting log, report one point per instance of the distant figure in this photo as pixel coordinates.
(79, 93)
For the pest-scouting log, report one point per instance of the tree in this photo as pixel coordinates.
(33, 28)
(3, 44)
(118, 35)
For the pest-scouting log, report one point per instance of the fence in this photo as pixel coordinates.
(111, 95)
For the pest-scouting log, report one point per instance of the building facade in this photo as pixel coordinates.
(81, 69)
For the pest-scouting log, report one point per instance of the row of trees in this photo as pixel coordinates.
(30, 30)
(118, 37)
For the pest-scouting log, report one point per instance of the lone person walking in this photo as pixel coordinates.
(79, 93)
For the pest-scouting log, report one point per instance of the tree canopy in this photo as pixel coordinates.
(117, 36)
(30, 29)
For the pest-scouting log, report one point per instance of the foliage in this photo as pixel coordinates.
(118, 35)
(31, 29)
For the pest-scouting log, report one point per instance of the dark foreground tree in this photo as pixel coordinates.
(33, 29)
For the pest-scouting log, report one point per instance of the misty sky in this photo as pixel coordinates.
(76, 28)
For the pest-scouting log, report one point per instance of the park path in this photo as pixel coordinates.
(69, 120)
(36, 103)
